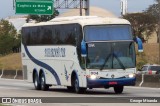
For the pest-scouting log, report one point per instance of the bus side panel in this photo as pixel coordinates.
(44, 58)
(71, 64)
(58, 68)
(28, 65)
(50, 79)
(36, 62)
(65, 66)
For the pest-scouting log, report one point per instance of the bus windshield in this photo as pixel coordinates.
(111, 55)
(107, 32)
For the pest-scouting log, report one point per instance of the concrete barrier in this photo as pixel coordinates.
(138, 79)
(151, 81)
(148, 80)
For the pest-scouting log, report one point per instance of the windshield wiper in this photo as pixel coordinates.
(121, 64)
(105, 61)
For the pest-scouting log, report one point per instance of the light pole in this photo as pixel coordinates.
(80, 7)
(124, 7)
(87, 8)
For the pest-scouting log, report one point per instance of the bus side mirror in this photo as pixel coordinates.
(83, 49)
(140, 44)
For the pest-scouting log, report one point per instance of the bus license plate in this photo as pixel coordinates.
(112, 83)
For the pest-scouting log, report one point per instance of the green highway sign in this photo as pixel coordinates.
(43, 7)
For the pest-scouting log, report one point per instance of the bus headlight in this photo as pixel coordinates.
(131, 75)
(93, 77)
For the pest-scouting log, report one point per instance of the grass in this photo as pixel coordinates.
(150, 55)
(11, 61)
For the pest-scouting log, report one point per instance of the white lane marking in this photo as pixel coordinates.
(142, 87)
(28, 84)
(11, 88)
(13, 79)
(16, 82)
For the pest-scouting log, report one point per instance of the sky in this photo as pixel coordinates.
(6, 6)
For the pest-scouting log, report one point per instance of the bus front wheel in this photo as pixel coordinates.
(118, 89)
(43, 84)
(77, 88)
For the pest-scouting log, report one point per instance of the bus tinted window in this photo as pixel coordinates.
(107, 32)
(51, 34)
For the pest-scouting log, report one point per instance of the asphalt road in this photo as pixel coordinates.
(20, 88)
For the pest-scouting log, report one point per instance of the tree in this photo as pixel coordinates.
(7, 28)
(43, 18)
(8, 37)
(142, 24)
(154, 10)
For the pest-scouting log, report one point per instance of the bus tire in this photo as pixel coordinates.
(70, 88)
(77, 88)
(43, 84)
(36, 82)
(118, 89)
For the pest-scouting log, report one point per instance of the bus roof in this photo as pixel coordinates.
(82, 20)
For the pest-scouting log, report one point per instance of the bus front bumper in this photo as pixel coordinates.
(106, 83)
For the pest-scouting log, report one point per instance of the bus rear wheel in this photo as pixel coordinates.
(36, 82)
(77, 88)
(43, 84)
(118, 89)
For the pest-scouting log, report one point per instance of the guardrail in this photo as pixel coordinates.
(11, 74)
(141, 79)
(148, 80)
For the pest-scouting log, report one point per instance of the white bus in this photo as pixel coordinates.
(79, 52)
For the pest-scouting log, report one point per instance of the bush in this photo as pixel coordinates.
(141, 60)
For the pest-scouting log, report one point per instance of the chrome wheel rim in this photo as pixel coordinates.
(76, 85)
(42, 82)
(35, 82)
